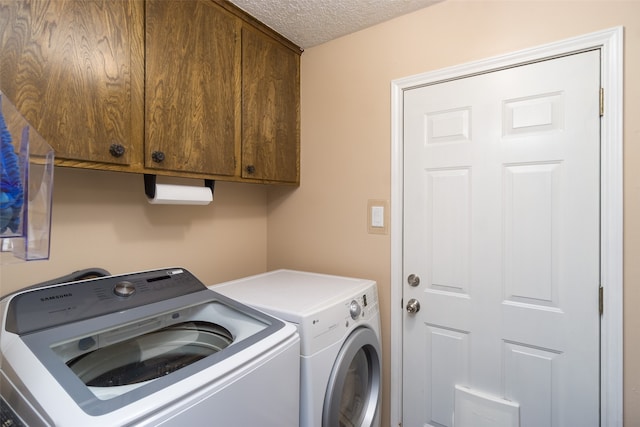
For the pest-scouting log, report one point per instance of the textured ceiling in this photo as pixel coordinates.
(309, 23)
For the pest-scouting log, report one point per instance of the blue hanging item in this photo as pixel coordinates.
(11, 191)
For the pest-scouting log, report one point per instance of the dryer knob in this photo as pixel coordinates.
(354, 309)
(124, 289)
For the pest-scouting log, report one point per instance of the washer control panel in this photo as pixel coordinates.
(56, 305)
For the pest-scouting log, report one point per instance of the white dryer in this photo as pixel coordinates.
(340, 353)
(145, 349)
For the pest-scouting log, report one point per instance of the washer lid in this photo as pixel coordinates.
(151, 355)
(105, 362)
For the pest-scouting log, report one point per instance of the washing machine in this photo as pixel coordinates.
(340, 353)
(145, 349)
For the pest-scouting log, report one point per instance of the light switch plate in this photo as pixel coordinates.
(378, 216)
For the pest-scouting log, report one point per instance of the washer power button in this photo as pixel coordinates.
(124, 289)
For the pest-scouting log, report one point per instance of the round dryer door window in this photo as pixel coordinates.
(151, 355)
(354, 389)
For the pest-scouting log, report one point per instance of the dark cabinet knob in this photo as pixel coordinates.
(116, 150)
(250, 169)
(157, 156)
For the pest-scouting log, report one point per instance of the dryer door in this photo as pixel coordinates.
(354, 391)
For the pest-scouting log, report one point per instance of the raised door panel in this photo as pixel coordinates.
(270, 109)
(192, 87)
(68, 67)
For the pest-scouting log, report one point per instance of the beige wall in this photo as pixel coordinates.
(346, 137)
(102, 219)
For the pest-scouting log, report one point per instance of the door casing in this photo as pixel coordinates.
(610, 43)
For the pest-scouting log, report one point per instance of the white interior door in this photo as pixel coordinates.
(501, 225)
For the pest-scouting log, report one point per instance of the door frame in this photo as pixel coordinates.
(610, 43)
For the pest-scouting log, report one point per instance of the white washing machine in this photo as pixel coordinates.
(340, 354)
(146, 349)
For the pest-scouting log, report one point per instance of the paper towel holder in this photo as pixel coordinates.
(150, 185)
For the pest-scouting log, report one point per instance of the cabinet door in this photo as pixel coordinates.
(192, 87)
(67, 67)
(270, 109)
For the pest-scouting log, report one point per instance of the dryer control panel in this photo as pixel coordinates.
(333, 323)
(363, 305)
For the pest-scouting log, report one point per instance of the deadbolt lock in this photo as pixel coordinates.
(413, 280)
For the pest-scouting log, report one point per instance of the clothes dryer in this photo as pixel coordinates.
(144, 349)
(340, 353)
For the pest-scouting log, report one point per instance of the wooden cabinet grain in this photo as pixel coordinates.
(69, 68)
(191, 88)
(270, 109)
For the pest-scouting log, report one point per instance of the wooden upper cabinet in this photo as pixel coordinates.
(67, 67)
(270, 109)
(192, 87)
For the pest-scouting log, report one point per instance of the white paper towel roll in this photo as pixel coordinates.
(167, 194)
